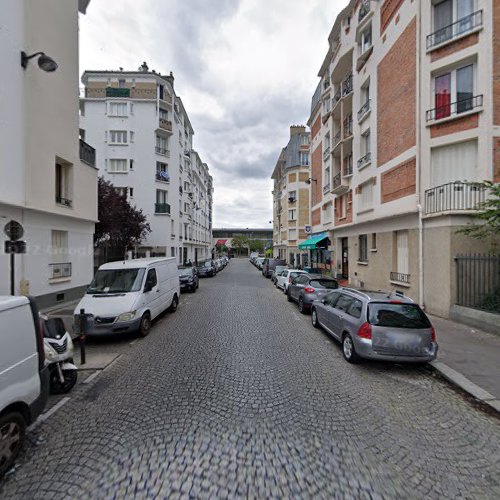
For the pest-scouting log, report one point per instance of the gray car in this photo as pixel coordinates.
(376, 325)
(306, 288)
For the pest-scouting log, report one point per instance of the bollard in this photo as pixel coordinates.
(82, 336)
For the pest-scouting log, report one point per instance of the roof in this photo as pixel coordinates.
(380, 295)
(135, 263)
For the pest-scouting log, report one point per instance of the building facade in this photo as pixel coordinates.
(223, 237)
(291, 198)
(405, 111)
(48, 176)
(144, 143)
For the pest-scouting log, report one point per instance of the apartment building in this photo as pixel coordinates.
(291, 214)
(144, 143)
(48, 176)
(405, 111)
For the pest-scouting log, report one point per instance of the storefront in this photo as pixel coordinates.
(320, 252)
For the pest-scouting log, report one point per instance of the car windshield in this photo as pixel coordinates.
(397, 315)
(116, 281)
(185, 272)
(280, 268)
(330, 284)
(208, 264)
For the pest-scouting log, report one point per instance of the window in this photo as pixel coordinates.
(292, 195)
(366, 40)
(292, 234)
(162, 145)
(303, 158)
(365, 143)
(402, 252)
(117, 166)
(305, 140)
(59, 248)
(122, 191)
(363, 248)
(326, 181)
(162, 172)
(151, 280)
(374, 242)
(454, 162)
(161, 92)
(163, 114)
(172, 227)
(331, 299)
(63, 183)
(328, 213)
(118, 136)
(131, 192)
(452, 18)
(117, 109)
(366, 196)
(344, 302)
(355, 308)
(291, 214)
(172, 251)
(121, 84)
(161, 196)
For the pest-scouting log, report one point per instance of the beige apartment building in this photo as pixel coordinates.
(291, 212)
(407, 108)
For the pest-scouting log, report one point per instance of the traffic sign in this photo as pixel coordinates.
(13, 230)
(15, 247)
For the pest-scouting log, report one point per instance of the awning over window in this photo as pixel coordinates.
(312, 243)
(220, 242)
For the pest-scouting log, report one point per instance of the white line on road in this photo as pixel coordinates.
(44, 416)
(91, 377)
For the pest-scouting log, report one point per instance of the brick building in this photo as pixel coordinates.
(407, 108)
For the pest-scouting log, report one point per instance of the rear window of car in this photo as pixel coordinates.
(330, 284)
(397, 315)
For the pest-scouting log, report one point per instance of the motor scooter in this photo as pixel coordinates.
(58, 348)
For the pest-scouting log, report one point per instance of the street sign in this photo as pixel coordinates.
(15, 247)
(13, 230)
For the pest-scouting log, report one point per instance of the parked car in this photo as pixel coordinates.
(24, 377)
(306, 288)
(188, 279)
(286, 277)
(258, 262)
(206, 269)
(277, 270)
(376, 325)
(269, 265)
(127, 295)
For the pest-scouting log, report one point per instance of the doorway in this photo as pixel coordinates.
(344, 245)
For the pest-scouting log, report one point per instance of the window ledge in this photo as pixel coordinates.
(362, 262)
(364, 165)
(109, 172)
(365, 211)
(342, 218)
(452, 118)
(55, 281)
(159, 213)
(400, 283)
(455, 39)
(364, 116)
(117, 144)
(373, 250)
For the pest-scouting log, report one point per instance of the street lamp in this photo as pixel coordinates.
(45, 62)
(310, 179)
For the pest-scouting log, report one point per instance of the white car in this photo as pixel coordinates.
(285, 278)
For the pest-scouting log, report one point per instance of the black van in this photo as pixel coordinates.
(269, 265)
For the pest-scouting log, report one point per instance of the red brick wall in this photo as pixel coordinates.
(496, 62)
(397, 95)
(454, 47)
(316, 173)
(316, 127)
(316, 217)
(399, 181)
(458, 125)
(496, 159)
(388, 11)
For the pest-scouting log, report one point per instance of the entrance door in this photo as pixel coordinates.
(345, 258)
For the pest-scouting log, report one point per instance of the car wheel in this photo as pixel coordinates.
(175, 303)
(302, 307)
(198, 284)
(145, 326)
(348, 349)
(12, 435)
(314, 318)
(289, 296)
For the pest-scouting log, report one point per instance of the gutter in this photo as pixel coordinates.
(418, 165)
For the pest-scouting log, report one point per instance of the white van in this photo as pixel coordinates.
(127, 295)
(24, 378)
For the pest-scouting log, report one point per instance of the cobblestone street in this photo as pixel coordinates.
(237, 395)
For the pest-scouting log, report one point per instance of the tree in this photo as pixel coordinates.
(488, 214)
(239, 241)
(120, 225)
(256, 246)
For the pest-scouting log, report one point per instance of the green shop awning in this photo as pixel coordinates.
(312, 243)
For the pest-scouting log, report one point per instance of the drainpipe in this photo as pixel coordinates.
(419, 163)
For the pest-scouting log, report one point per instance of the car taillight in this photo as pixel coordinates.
(433, 334)
(365, 331)
(309, 289)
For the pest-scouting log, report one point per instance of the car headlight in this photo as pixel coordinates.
(126, 316)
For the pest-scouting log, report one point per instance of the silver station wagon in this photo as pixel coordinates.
(376, 325)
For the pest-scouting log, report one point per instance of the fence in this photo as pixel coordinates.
(478, 281)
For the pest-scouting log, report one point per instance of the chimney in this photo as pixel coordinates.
(297, 129)
(170, 79)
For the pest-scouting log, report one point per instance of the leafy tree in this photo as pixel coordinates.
(221, 248)
(239, 241)
(488, 214)
(120, 225)
(256, 246)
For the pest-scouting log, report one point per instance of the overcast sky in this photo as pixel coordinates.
(245, 70)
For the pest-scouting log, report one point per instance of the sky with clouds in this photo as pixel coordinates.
(245, 70)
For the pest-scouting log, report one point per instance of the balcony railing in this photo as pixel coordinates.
(364, 9)
(455, 108)
(326, 188)
(364, 109)
(60, 270)
(347, 167)
(365, 160)
(162, 151)
(458, 28)
(64, 201)
(454, 196)
(117, 92)
(401, 277)
(336, 97)
(337, 180)
(162, 176)
(162, 208)
(166, 125)
(336, 139)
(347, 86)
(326, 152)
(348, 127)
(87, 153)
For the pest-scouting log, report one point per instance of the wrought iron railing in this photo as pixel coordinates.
(326, 152)
(87, 153)
(454, 196)
(364, 109)
(364, 9)
(456, 29)
(455, 108)
(401, 277)
(364, 160)
(162, 208)
(337, 180)
(326, 188)
(60, 270)
(336, 139)
(347, 86)
(347, 167)
(162, 151)
(336, 97)
(348, 127)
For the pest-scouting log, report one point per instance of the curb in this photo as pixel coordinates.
(466, 385)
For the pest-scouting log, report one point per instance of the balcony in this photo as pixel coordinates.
(64, 201)
(162, 208)
(165, 125)
(400, 277)
(87, 153)
(364, 10)
(455, 30)
(455, 108)
(162, 176)
(326, 152)
(162, 151)
(340, 185)
(364, 161)
(336, 98)
(326, 188)
(348, 127)
(60, 270)
(347, 86)
(347, 167)
(454, 196)
(336, 139)
(117, 92)
(364, 110)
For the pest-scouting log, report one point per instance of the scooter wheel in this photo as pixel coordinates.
(70, 378)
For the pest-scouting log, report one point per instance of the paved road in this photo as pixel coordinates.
(236, 395)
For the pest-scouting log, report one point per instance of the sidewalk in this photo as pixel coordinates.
(469, 358)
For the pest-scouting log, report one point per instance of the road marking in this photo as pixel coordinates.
(44, 416)
(91, 377)
(133, 342)
(296, 317)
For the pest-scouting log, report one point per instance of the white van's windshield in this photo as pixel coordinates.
(116, 281)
